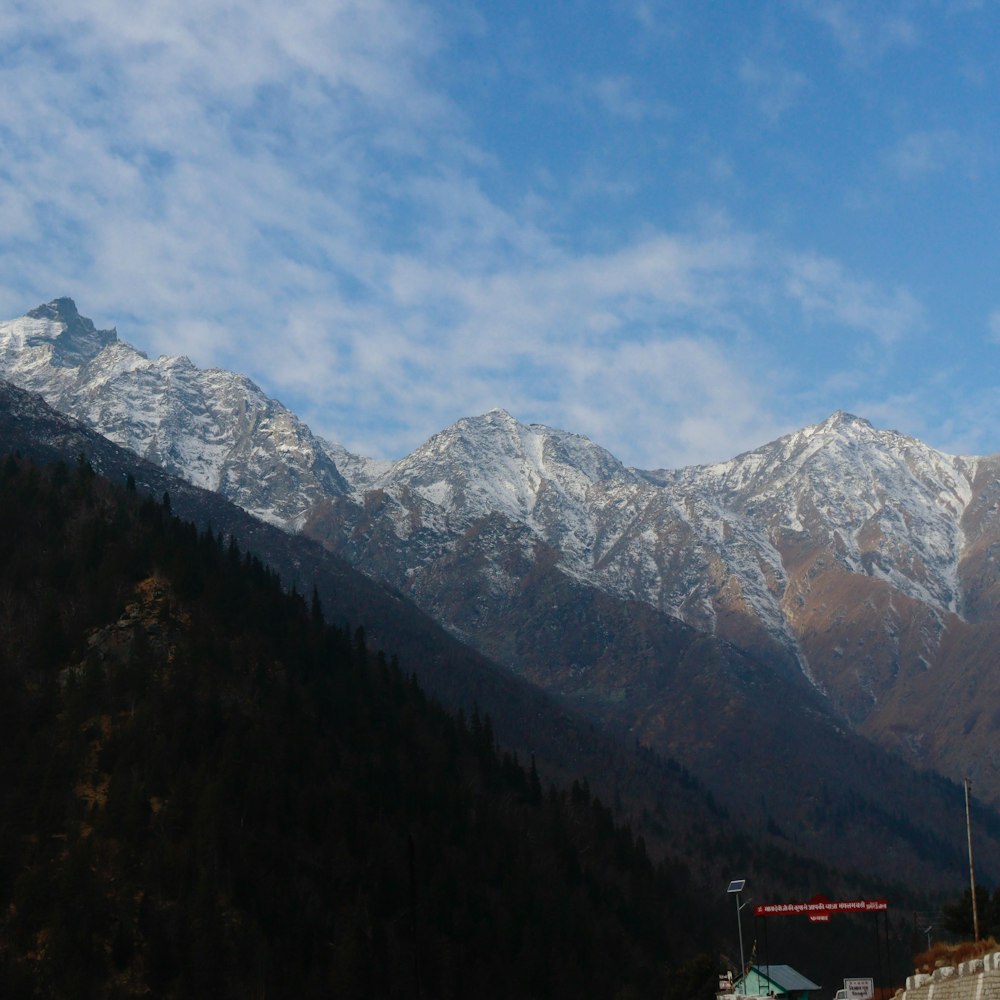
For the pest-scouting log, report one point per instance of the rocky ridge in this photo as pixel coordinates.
(214, 428)
(855, 559)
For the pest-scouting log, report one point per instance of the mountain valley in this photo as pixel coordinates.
(770, 622)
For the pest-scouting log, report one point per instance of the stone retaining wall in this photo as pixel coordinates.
(975, 980)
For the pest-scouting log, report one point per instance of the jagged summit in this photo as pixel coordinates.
(61, 309)
(495, 462)
(841, 425)
(841, 418)
(74, 338)
(216, 429)
(838, 427)
(844, 426)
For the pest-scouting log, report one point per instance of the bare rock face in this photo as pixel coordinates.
(214, 428)
(859, 565)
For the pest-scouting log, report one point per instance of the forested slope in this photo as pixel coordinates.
(205, 790)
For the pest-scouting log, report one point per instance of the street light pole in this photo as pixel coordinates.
(736, 886)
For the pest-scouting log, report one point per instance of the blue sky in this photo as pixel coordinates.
(680, 228)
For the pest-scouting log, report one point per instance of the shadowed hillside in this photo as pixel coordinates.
(208, 791)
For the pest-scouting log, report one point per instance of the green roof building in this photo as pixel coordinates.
(775, 981)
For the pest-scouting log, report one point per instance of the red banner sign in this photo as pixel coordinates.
(820, 909)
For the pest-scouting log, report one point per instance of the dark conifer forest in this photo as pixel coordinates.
(208, 791)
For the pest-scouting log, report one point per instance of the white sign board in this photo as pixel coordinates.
(859, 989)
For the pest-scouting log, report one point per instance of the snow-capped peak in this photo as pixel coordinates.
(215, 428)
(73, 338)
(494, 462)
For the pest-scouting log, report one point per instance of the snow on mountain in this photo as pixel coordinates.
(888, 505)
(214, 428)
(694, 542)
(858, 557)
(541, 478)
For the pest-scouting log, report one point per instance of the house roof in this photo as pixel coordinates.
(785, 977)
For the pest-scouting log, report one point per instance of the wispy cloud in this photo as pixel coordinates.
(993, 327)
(654, 19)
(933, 151)
(825, 291)
(209, 147)
(653, 349)
(291, 190)
(618, 96)
(774, 88)
(863, 31)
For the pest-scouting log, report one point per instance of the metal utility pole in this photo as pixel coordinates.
(972, 868)
(736, 886)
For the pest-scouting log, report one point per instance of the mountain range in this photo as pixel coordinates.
(808, 627)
